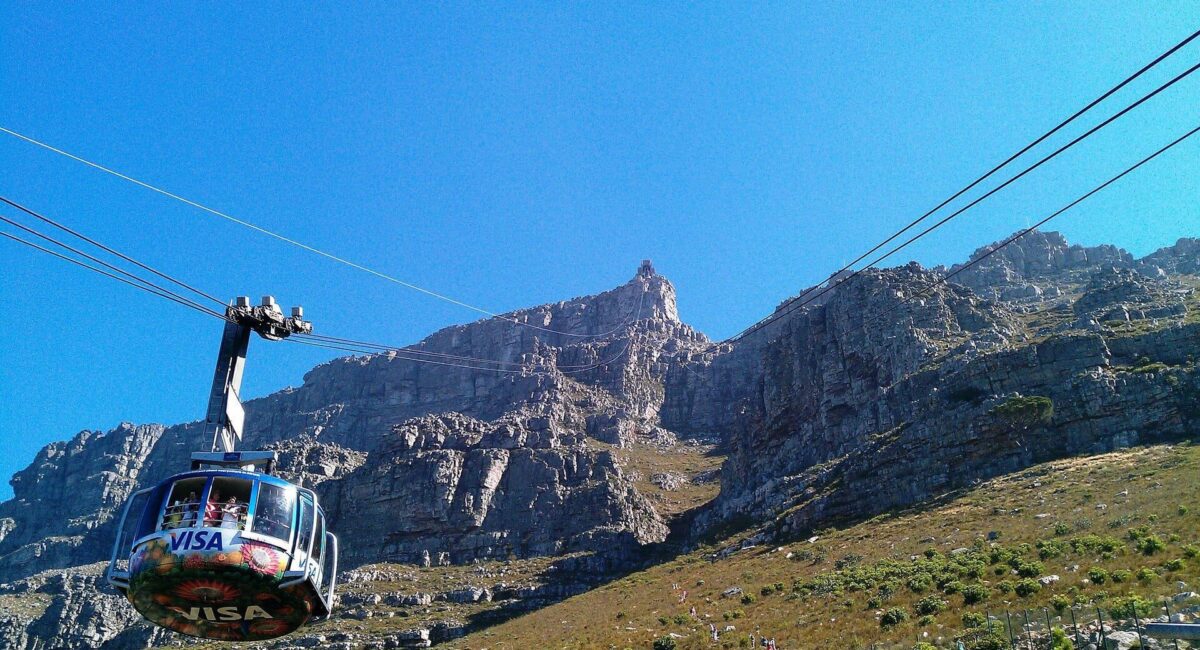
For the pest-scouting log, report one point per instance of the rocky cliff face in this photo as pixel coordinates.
(888, 390)
(868, 402)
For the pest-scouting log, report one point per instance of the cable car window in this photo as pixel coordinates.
(129, 528)
(273, 512)
(319, 540)
(306, 528)
(228, 502)
(149, 516)
(184, 503)
(328, 561)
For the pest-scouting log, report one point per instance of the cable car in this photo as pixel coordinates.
(228, 551)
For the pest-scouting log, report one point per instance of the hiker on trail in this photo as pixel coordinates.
(713, 628)
(692, 611)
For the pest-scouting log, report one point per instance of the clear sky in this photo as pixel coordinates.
(513, 154)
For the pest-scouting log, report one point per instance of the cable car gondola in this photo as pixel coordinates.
(228, 551)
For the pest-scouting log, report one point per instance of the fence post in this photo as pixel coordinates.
(1137, 626)
(1011, 641)
(1075, 625)
(1167, 607)
(1103, 636)
(1029, 632)
(1049, 636)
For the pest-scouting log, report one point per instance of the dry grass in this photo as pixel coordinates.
(626, 613)
(643, 461)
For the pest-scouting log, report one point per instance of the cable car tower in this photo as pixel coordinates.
(227, 551)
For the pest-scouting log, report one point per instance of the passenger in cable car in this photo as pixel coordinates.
(191, 507)
(174, 514)
(231, 514)
(212, 511)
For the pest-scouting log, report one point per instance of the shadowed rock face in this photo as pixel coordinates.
(865, 401)
(600, 368)
(889, 389)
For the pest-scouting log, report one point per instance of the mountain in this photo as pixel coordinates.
(889, 390)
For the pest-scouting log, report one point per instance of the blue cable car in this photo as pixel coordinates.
(227, 551)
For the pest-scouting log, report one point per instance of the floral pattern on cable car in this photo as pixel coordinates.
(199, 575)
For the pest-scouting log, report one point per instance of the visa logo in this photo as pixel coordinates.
(197, 540)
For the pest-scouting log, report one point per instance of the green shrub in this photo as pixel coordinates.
(682, 619)
(663, 620)
(1059, 602)
(989, 637)
(1027, 587)
(848, 561)
(1146, 575)
(1157, 366)
(893, 617)
(929, 605)
(920, 583)
(1183, 510)
(953, 587)
(1097, 575)
(922, 645)
(1120, 575)
(1061, 529)
(1089, 544)
(973, 619)
(1174, 565)
(973, 594)
(1150, 545)
(748, 599)
(1051, 548)
(925, 620)
(1030, 569)
(1059, 640)
(1004, 586)
(1127, 606)
(1025, 411)
(664, 643)
(1191, 551)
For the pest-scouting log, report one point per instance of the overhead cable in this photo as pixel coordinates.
(791, 307)
(134, 278)
(1006, 161)
(119, 254)
(188, 304)
(992, 251)
(299, 244)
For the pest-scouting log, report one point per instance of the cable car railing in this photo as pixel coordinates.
(226, 515)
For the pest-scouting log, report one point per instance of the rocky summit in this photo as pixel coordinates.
(587, 447)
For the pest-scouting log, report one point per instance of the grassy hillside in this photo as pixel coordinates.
(1108, 526)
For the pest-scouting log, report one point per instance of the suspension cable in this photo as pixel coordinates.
(299, 244)
(791, 307)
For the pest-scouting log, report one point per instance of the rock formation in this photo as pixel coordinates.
(890, 389)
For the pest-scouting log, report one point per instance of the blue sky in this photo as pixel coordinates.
(515, 154)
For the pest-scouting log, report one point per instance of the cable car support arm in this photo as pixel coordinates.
(225, 416)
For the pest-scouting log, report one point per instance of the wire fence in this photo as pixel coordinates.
(1085, 626)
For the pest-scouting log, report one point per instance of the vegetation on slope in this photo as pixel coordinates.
(1110, 527)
